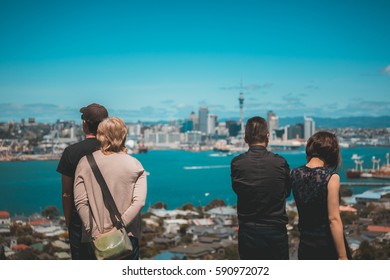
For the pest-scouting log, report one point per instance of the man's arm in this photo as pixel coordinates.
(67, 197)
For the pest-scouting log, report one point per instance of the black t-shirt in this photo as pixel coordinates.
(72, 155)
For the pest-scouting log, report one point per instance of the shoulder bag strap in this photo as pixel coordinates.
(115, 215)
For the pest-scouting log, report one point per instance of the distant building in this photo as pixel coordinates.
(5, 222)
(310, 127)
(193, 137)
(295, 131)
(195, 121)
(188, 125)
(162, 139)
(233, 127)
(211, 124)
(203, 117)
(273, 121)
(241, 104)
(279, 133)
(221, 129)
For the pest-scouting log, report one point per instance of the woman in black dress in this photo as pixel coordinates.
(316, 187)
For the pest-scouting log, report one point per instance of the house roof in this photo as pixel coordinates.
(193, 250)
(204, 239)
(203, 222)
(223, 211)
(4, 214)
(376, 228)
(39, 222)
(163, 213)
(375, 194)
(60, 244)
(19, 247)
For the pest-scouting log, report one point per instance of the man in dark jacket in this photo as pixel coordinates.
(261, 180)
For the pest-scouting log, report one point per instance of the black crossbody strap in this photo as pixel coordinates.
(115, 215)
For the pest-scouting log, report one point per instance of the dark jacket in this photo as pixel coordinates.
(261, 180)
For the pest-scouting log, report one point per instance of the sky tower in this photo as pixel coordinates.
(241, 100)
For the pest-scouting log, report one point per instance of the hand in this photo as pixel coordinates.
(343, 258)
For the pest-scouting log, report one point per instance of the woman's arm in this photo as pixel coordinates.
(336, 225)
(138, 200)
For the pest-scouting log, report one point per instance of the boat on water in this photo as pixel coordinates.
(284, 145)
(376, 172)
(134, 148)
(142, 149)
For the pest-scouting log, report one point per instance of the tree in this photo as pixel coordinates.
(159, 205)
(27, 239)
(366, 251)
(188, 206)
(348, 218)
(365, 213)
(50, 212)
(200, 211)
(20, 230)
(214, 204)
(345, 192)
(381, 216)
(2, 253)
(231, 252)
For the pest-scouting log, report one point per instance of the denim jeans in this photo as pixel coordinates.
(262, 242)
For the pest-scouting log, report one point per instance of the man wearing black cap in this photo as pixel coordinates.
(92, 115)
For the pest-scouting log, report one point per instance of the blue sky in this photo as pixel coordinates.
(160, 60)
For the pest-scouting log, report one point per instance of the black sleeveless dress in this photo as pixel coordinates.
(310, 190)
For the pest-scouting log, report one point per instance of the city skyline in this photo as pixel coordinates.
(161, 60)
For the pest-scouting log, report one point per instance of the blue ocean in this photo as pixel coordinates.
(175, 177)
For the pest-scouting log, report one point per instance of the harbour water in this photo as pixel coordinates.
(175, 177)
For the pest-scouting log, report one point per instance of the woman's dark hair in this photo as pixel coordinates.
(256, 131)
(325, 146)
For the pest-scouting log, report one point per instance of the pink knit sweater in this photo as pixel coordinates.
(126, 180)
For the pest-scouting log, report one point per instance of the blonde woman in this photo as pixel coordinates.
(126, 180)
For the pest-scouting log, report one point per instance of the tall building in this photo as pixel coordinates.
(310, 127)
(211, 124)
(195, 121)
(241, 103)
(203, 115)
(273, 121)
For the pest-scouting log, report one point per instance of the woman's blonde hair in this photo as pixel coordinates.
(111, 134)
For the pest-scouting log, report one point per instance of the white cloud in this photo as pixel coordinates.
(41, 112)
(249, 87)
